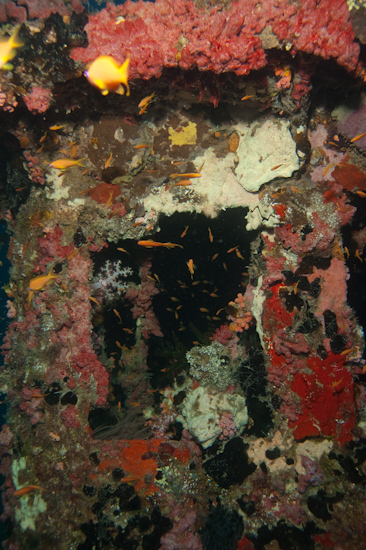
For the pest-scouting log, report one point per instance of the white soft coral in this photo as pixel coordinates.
(110, 280)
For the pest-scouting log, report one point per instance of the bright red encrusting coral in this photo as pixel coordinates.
(317, 393)
(102, 192)
(177, 33)
(327, 400)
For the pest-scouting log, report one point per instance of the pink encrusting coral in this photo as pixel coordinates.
(242, 318)
(21, 10)
(141, 299)
(38, 99)
(227, 425)
(76, 354)
(172, 33)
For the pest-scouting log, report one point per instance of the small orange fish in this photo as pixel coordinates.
(210, 236)
(357, 254)
(117, 315)
(130, 479)
(327, 168)
(142, 146)
(37, 283)
(232, 249)
(145, 102)
(246, 97)
(214, 256)
(94, 300)
(184, 232)
(64, 164)
(57, 127)
(191, 267)
(361, 194)
(191, 175)
(154, 244)
(108, 161)
(43, 137)
(123, 250)
(135, 404)
(128, 330)
(204, 309)
(27, 489)
(359, 136)
(277, 166)
(110, 199)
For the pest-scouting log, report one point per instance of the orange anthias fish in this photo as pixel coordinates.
(191, 267)
(154, 244)
(106, 74)
(37, 283)
(145, 102)
(8, 50)
(25, 490)
(64, 164)
(359, 136)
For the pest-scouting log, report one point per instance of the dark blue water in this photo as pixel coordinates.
(94, 6)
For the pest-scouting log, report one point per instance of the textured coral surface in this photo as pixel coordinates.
(184, 361)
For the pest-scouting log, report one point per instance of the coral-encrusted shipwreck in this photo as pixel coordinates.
(208, 392)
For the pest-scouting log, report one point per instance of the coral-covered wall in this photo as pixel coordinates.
(182, 364)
